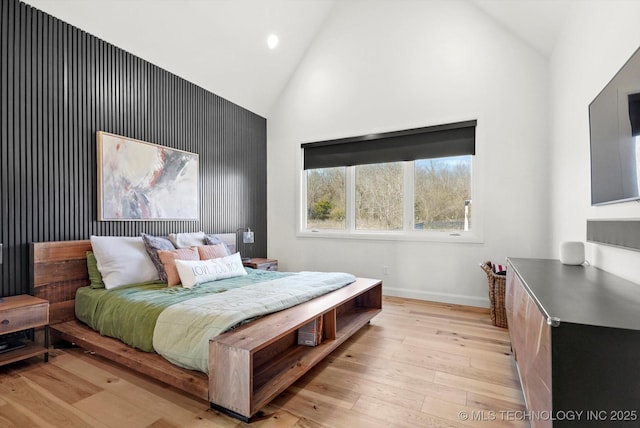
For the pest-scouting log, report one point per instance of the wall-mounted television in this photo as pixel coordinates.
(614, 124)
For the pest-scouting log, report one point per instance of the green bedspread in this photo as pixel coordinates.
(130, 313)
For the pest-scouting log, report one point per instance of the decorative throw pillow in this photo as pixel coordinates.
(122, 260)
(212, 251)
(95, 278)
(153, 244)
(211, 239)
(196, 272)
(187, 240)
(169, 257)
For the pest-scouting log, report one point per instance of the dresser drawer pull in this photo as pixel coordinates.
(5, 322)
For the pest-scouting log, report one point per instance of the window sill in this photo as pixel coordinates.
(445, 237)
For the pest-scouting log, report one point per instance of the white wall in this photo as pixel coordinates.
(390, 65)
(597, 40)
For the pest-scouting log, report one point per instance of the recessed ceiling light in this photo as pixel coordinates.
(272, 41)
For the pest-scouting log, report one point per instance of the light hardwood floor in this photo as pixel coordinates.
(417, 364)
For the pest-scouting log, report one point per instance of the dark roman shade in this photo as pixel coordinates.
(452, 139)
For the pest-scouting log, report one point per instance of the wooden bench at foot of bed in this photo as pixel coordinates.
(251, 365)
(248, 366)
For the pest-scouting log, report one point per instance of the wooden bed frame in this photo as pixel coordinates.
(248, 366)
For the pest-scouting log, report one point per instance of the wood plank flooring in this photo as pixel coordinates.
(418, 364)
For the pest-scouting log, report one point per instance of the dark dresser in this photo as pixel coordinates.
(575, 335)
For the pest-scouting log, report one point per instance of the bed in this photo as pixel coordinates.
(247, 366)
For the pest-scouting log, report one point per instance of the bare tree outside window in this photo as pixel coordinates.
(379, 193)
(441, 196)
(443, 193)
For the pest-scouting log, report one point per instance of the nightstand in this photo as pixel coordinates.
(19, 313)
(262, 264)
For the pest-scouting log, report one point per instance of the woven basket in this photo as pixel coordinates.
(497, 285)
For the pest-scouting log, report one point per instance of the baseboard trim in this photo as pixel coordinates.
(456, 299)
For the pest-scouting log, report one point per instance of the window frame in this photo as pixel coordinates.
(408, 232)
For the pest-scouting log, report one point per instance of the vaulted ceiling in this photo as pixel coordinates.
(221, 44)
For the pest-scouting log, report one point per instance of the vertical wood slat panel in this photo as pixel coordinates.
(58, 86)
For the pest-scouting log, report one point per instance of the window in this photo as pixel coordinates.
(412, 182)
(326, 198)
(379, 196)
(442, 194)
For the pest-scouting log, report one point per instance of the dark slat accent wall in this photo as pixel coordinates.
(58, 86)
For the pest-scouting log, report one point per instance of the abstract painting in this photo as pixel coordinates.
(143, 181)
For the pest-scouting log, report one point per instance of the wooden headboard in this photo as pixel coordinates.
(58, 269)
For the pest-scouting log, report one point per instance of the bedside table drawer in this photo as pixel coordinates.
(268, 266)
(23, 318)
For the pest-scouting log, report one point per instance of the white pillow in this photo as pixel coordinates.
(187, 240)
(194, 272)
(123, 260)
